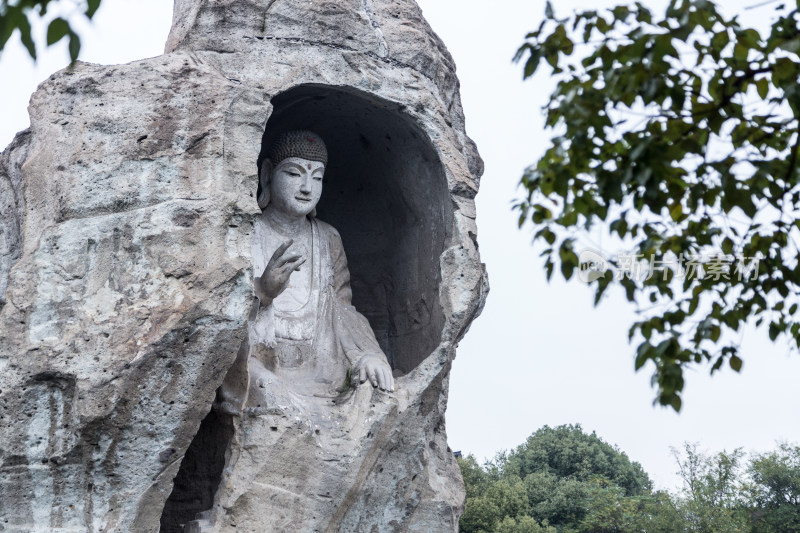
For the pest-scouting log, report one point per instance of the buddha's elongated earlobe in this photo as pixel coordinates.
(264, 179)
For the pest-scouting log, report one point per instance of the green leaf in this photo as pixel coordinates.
(720, 40)
(531, 64)
(749, 38)
(57, 30)
(91, 8)
(546, 185)
(74, 46)
(621, 12)
(25, 35)
(568, 261)
(740, 52)
(642, 355)
(736, 363)
(630, 289)
(675, 402)
(774, 331)
(762, 85)
(676, 211)
(783, 70)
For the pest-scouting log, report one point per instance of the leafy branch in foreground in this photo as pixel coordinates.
(679, 136)
(18, 16)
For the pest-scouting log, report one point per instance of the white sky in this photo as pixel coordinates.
(540, 353)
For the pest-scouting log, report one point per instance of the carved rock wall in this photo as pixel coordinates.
(126, 246)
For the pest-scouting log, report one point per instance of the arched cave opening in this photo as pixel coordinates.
(386, 193)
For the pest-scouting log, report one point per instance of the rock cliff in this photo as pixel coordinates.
(126, 276)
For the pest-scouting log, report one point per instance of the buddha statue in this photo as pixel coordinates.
(303, 330)
(299, 379)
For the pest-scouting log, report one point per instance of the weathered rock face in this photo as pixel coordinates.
(125, 242)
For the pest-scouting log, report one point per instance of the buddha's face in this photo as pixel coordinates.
(296, 186)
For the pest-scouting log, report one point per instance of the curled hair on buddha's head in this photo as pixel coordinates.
(299, 143)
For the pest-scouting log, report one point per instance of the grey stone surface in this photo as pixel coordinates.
(128, 258)
(12, 207)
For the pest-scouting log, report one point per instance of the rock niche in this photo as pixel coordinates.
(128, 287)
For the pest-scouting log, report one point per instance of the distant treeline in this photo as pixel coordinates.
(563, 480)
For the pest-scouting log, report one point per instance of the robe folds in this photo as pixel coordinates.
(287, 391)
(310, 348)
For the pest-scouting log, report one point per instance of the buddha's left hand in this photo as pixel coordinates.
(376, 370)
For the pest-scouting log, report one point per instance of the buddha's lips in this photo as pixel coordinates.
(302, 198)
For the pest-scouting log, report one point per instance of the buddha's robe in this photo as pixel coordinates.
(287, 392)
(306, 339)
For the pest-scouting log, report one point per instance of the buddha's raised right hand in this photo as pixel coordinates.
(276, 275)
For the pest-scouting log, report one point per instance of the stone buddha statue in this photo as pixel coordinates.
(303, 331)
(296, 380)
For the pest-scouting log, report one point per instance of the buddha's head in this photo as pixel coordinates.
(290, 176)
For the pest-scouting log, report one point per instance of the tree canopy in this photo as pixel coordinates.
(776, 489)
(550, 482)
(563, 480)
(569, 453)
(677, 135)
(17, 16)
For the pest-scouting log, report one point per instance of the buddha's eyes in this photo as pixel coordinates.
(299, 173)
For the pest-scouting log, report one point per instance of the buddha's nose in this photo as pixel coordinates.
(305, 186)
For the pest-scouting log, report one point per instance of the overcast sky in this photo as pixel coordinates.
(540, 353)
